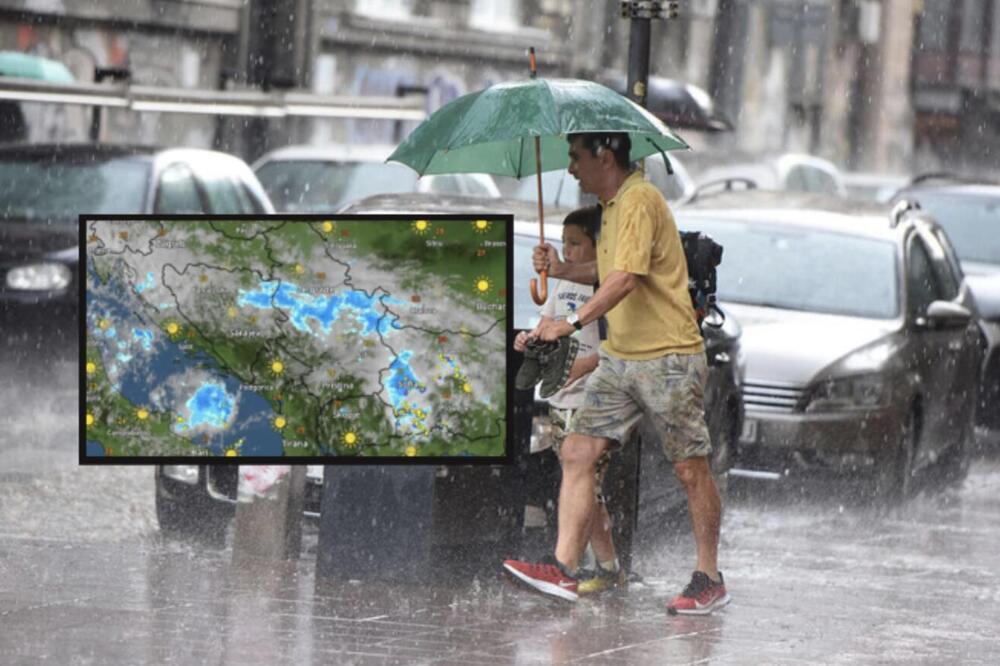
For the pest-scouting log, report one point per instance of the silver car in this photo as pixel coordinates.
(861, 336)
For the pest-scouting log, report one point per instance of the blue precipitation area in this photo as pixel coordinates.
(210, 405)
(401, 382)
(154, 359)
(302, 306)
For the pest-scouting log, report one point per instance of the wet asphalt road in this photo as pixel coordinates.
(816, 575)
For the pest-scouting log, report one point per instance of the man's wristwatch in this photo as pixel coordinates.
(574, 321)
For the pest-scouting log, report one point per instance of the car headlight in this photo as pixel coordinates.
(859, 392)
(39, 277)
(183, 473)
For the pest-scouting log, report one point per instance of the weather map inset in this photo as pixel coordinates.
(328, 340)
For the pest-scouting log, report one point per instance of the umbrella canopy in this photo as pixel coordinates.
(493, 130)
(25, 66)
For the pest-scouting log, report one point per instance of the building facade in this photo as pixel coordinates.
(883, 85)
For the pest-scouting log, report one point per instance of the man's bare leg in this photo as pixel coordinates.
(705, 507)
(576, 496)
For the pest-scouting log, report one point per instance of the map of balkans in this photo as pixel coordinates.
(316, 338)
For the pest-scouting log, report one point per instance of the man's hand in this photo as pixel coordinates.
(551, 330)
(545, 258)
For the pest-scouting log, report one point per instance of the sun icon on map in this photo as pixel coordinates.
(277, 368)
(279, 422)
(420, 227)
(482, 226)
(410, 451)
(327, 227)
(350, 439)
(482, 285)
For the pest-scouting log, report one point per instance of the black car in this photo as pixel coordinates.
(861, 336)
(488, 504)
(969, 213)
(45, 187)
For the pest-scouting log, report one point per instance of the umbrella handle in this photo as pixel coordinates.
(539, 297)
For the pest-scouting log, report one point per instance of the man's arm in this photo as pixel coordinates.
(617, 286)
(545, 257)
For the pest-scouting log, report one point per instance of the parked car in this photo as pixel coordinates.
(561, 190)
(535, 477)
(970, 215)
(791, 172)
(873, 187)
(321, 179)
(861, 336)
(45, 187)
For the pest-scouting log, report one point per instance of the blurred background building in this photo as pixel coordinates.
(874, 85)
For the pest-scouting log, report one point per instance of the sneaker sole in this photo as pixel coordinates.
(542, 586)
(704, 610)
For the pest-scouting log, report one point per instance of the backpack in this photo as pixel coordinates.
(703, 256)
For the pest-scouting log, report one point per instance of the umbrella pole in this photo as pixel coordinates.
(539, 296)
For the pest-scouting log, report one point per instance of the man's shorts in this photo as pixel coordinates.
(669, 390)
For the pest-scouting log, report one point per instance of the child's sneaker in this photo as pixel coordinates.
(556, 365)
(548, 578)
(701, 596)
(530, 372)
(600, 580)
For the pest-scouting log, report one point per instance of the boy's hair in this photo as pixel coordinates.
(618, 143)
(588, 219)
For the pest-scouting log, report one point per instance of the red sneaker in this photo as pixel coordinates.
(547, 578)
(701, 596)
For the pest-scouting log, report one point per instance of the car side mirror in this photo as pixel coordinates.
(946, 314)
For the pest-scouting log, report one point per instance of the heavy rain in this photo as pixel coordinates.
(843, 154)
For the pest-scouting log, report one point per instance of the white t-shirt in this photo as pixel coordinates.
(568, 297)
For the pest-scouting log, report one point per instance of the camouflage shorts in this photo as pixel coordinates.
(562, 423)
(669, 391)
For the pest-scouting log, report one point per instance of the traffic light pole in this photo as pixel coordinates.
(624, 479)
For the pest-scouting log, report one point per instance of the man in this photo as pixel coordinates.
(652, 364)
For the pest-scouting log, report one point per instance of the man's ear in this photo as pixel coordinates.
(607, 157)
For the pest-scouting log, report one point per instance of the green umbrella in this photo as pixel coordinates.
(492, 131)
(24, 66)
(519, 128)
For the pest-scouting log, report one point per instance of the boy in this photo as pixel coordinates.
(579, 245)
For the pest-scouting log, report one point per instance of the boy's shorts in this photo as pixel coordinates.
(669, 391)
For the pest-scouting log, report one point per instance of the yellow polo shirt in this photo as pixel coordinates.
(639, 236)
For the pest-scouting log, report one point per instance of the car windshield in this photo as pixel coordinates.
(971, 222)
(35, 189)
(803, 269)
(322, 186)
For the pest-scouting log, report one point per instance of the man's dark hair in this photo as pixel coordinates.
(617, 142)
(588, 219)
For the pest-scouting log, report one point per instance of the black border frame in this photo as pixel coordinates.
(506, 459)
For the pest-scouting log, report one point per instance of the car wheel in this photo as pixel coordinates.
(723, 444)
(894, 469)
(179, 520)
(954, 462)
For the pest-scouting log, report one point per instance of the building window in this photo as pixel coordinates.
(934, 25)
(384, 9)
(996, 28)
(495, 14)
(970, 38)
